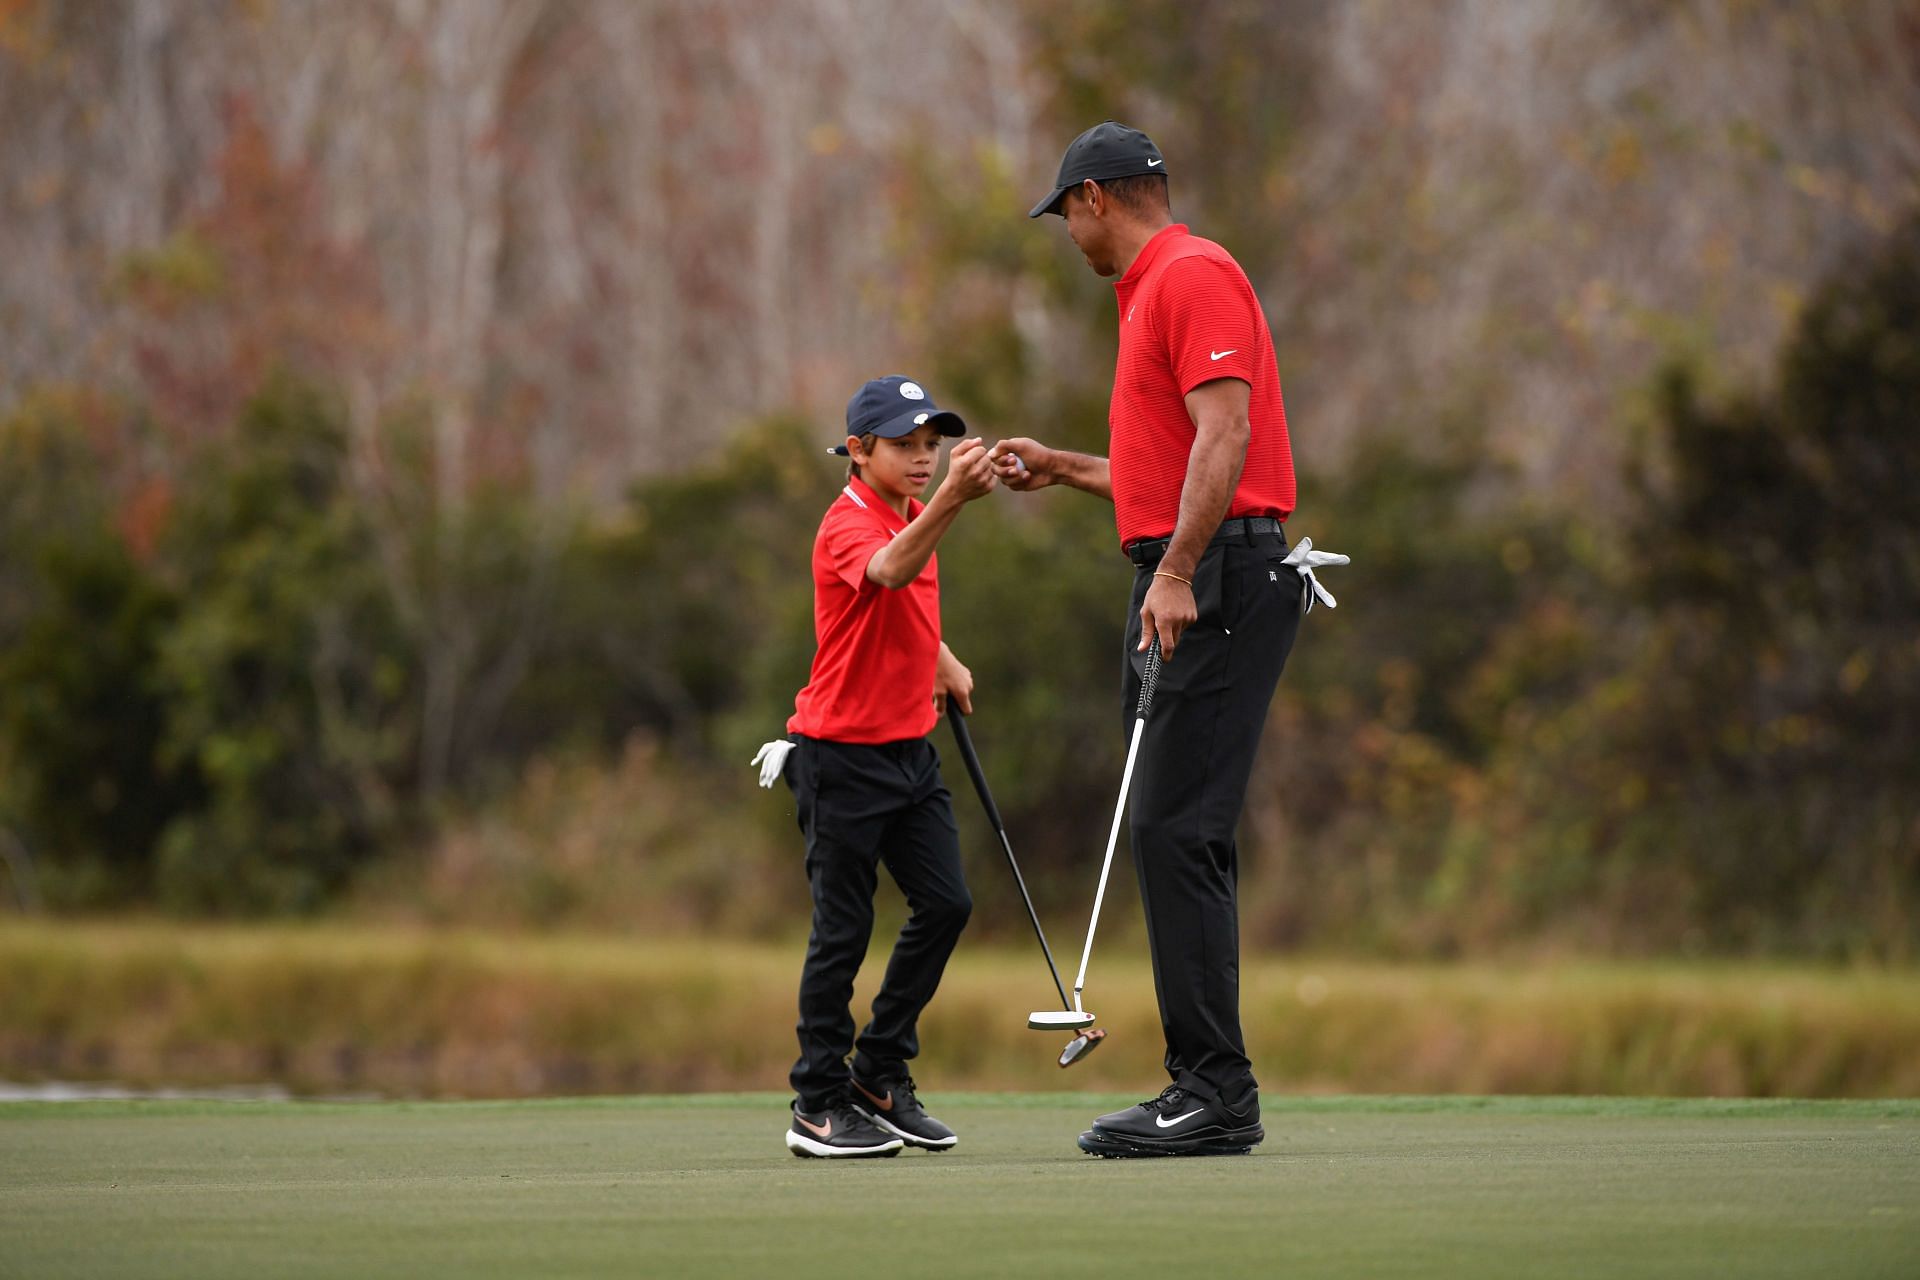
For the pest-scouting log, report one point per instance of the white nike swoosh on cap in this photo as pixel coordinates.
(1165, 1123)
(1221, 355)
(1152, 163)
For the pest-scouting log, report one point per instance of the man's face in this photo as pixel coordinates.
(1090, 230)
(901, 467)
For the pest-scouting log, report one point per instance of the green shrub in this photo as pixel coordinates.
(287, 680)
(83, 781)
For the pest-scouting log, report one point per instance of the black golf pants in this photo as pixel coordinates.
(1189, 784)
(860, 806)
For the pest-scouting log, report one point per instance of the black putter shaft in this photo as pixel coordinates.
(961, 736)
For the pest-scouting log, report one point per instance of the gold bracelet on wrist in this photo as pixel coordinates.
(1162, 573)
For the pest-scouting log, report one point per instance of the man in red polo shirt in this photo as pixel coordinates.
(1201, 479)
(865, 780)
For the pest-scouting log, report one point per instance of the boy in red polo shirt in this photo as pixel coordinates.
(865, 780)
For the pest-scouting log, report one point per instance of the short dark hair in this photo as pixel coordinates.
(1139, 193)
(867, 441)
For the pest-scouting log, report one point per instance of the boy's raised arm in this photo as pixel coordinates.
(969, 476)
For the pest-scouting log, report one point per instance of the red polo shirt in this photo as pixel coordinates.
(1188, 315)
(872, 675)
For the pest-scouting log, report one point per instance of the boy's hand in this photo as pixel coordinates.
(949, 677)
(969, 471)
(1022, 464)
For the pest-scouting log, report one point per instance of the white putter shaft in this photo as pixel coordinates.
(1078, 1016)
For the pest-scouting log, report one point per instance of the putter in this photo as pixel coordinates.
(1076, 1015)
(1090, 1037)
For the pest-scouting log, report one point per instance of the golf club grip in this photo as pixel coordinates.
(1149, 677)
(965, 739)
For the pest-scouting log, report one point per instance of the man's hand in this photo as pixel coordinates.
(951, 678)
(970, 472)
(1023, 465)
(1167, 611)
(1220, 435)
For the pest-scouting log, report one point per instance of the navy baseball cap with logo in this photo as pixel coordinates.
(1108, 150)
(891, 407)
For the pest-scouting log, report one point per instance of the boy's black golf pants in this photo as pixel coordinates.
(1189, 784)
(860, 806)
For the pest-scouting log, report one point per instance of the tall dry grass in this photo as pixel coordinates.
(413, 1012)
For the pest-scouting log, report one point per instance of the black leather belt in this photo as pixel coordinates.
(1146, 551)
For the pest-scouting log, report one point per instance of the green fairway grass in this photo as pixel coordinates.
(701, 1186)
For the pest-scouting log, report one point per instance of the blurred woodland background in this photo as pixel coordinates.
(412, 420)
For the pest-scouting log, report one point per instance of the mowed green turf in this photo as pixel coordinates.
(701, 1186)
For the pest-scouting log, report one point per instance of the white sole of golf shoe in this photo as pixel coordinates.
(925, 1144)
(801, 1145)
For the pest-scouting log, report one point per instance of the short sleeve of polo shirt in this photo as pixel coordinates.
(849, 541)
(1211, 320)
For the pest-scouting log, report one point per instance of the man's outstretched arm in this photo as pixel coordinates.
(1025, 465)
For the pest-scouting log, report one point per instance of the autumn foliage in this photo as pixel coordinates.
(411, 424)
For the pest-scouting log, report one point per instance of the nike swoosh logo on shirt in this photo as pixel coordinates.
(1221, 355)
(1165, 1123)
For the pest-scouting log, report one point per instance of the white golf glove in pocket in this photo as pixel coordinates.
(772, 758)
(1304, 559)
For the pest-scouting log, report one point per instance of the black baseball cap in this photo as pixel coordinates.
(1108, 150)
(892, 406)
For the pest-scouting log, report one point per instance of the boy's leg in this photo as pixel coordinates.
(843, 810)
(922, 851)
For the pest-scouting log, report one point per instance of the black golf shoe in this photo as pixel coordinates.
(836, 1133)
(891, 1104)
(1178, 1123)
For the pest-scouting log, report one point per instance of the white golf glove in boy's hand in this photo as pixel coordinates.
(771, 757)
(1305, 560)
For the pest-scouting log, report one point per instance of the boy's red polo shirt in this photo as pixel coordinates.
(1189, 315)
(872, 675)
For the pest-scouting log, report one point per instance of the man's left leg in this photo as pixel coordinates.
(1190, 783)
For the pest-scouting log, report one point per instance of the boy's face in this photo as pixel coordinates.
(899, 468)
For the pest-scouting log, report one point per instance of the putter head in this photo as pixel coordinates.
(1081, 1045)
(1058, 1020)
